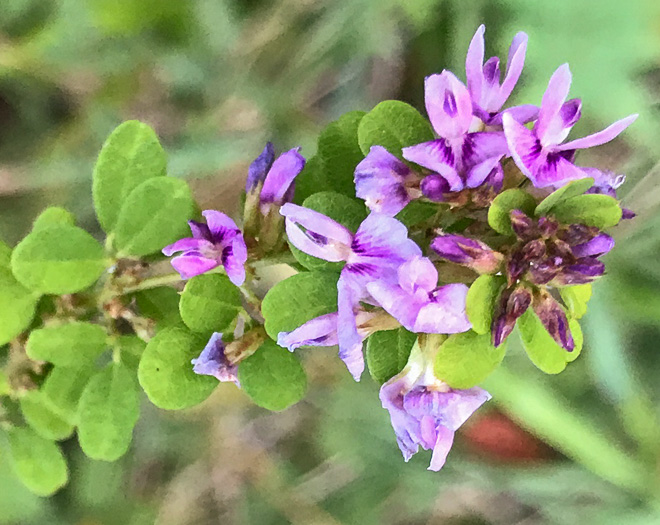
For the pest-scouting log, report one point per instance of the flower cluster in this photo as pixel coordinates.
(486, 173)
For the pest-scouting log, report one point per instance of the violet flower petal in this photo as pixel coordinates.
(320, 331)
(479, 173)
(599, 245)
(212, 361)
(190, 266)
(259, 167)
(436, 155)
(553, 99)
(445, 314)
(514, 66)
(397, 302)
(350, 341)
(474, 61)
(418, 273)
(221, 225)
(448, 104)
(187, 244)
(601, 137)
(281, 175)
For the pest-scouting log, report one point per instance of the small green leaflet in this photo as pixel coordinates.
(513, 199)
(481, 301)
(572, 189)
(388, 352)
(70, 344)
(209, 303)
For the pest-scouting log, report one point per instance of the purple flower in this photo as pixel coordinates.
(419, 304)
(539, 152)
(483, 80)
(426, 412)
(213, 361)
(607, 183)
(385, 183)
(599, 245)
(458, 153)
(259, 168)
(374, 252)
(219, 242)
(468, 252)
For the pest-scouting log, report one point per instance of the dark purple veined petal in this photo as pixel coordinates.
(553, 99)
(320, 331)
(281, 175)
(222, 227)
(599, 245)
(200, 230)
(553, 317)
(602, 137)
(185, 245)
(482, 146)
(480, 172)
(323, 238)
(438, 156)
(380, 180)
(445, 313)
(562, 123)
(434, 187)
(382, 240)
(212, 361)
(234, 258)
(259, 167)
(190, 266)
(448, 105)
(522, 114)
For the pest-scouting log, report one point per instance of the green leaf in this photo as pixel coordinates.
(39, 414)
(60, 259)
(63, 388)
(273, 377)
(312, 179)
(294, 301)
(576, 298)
(17, 306)
(513, 199)
(5, 389)
(38, 462)
(5, 255)
(393, 125)
(166, 374)
(572, 189)
(53, 216)
(209, 303)
(130, 156)
(601, 211)
(131, 348)
(160, 304)
(345, 210)
(465, 360)
(388, 352)
(154, 215)
(67, 345)
(338, 147)
(481, 300)
(108, 410)
(416, 212)
(542, 349)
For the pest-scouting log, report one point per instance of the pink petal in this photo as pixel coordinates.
(474, 63)
(418, 273)
(448, 105)
(191, 265)
(514, 67)
(281, 175)
(478, 174)
(523, 145)
(553, 99)
(438, 156)
(602, 137)
(446, 314)
(219, 223)
(187, 244)
(396, 302)
(442, 447)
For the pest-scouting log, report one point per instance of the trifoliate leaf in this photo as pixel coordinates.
(273, 377)
(294, 301)
(338, 147)
(388, 352)
(166, 374)
(130, 155)
(38, 462)
(209, 303)
(17, 306)
(53, 215)
(345, 210)
(571, 189)
(70, 344)
(481, 300)
(601, 211)
(60, 259)
(513, 199)
(542, 349)
(393, 125)
(465, 360)
(39, 414)
(108, 410)
(576, 298)
(154, 215)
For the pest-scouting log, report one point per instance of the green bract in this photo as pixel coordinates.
(209, 303)
(60, 259)
(393, 125)
(481, 299)
(17, 306)
(166, 374)
(37, 461)
(131, 155)
(576, 299)
(513, 199)
(273, 377)
(294, 301)
(108, 410)
(153, 215)
(601, 211)
(465, 360)
(388, 352)
(571, 189)
(345, 210)
(542, 349)
(70, 344)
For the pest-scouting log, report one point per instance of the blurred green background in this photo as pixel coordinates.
(216, 79)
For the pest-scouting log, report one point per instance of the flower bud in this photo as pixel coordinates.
(468, 252)
(547, 227)
(522, 225)
(584, 271)
(554, 319)
(434, 187)
(512, 305)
